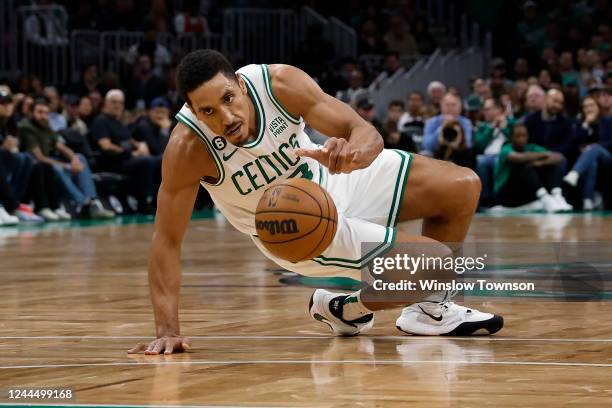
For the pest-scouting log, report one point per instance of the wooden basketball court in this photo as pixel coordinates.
(73, 300)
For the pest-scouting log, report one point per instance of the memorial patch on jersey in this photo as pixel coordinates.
(219, 143)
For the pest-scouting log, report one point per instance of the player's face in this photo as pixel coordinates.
(222, 104)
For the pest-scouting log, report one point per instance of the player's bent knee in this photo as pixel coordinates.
(469, 187)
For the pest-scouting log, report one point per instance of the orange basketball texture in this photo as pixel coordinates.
(296, 219)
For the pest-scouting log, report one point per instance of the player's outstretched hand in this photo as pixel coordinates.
(165, 345)
(337, 155)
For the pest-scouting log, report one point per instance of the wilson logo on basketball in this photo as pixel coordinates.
(275, 227)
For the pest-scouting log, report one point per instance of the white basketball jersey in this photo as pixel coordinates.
(246, 171)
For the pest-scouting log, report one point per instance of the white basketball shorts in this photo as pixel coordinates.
(368, 203)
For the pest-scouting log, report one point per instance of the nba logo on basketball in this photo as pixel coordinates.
(274, 197)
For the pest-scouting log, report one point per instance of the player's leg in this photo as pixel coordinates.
(444, 195)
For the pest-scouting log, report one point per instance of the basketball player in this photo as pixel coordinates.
(240, 131)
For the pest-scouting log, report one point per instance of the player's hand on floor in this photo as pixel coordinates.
(337, 155)
(163, 345)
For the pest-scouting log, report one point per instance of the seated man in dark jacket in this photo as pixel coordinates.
(122, 154)
(551, 129)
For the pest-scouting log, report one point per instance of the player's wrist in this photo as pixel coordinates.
(168, 331)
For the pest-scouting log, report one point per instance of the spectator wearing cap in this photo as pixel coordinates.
(571, 95)
(154, 129)
(365, 109)
(435, 92)
(490, 136)
(551, 129)
(473, 107)
(450, 110)
(71, 170)
(122, 154)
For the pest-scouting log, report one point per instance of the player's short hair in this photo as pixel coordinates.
(200, 66)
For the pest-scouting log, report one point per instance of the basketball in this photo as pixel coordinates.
(296, 219)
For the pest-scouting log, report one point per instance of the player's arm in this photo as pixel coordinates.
(354, 143)
(185, 161)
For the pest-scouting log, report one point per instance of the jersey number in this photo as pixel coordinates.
(302, 171)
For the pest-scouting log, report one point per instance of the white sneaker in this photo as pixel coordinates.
(587, 205)
(326, 307)
(48, 214)
(62, 214)
(549, 204)
(561, 203)
(446, 319)
(6, 218)
(571, 178)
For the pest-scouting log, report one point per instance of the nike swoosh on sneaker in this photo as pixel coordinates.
(436, 318)
(229, 156)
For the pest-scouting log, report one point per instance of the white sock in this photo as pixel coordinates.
(571, 178)
(353, 308)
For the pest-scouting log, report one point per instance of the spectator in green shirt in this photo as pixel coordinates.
(528, 174)
(489, 138)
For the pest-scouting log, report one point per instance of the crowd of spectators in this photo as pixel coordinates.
(52, 147)
(537, 129)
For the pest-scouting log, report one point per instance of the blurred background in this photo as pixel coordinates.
(467, 81)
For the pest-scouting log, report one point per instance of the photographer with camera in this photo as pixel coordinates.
(452, 145)
(451, 110)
